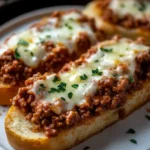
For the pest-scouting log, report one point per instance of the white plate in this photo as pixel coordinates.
(112, 138)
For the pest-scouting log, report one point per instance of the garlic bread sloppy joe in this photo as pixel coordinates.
(45, 47)
(126, 17)
(100, 81)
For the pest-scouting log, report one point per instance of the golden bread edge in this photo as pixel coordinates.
(6, 93)
(21, 137)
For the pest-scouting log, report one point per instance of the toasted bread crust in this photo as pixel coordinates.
(21, 136)
(7, 92)
(95, 12)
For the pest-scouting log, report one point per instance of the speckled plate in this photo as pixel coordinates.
(112, 138)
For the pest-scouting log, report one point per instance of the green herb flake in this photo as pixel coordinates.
(131, 131)
(86, 148)
(70, 95)
(42, 41)
(52, 90)
(23, 42)
(96, 61)
(133, 141)
(115, 75)
(83, 77)
(131, 79)
(142, 6)
(68, 26)
(17, 55)
(25, 50)
(121, 55)
(108, 50)
(31, 53)
(48, 36)
(147, 117)
(61, 87)
(42, 86)
(56, 79)
(75, 86)
(96, 72)
(63, 98)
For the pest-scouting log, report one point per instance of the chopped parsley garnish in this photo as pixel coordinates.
(48, 36)
(96, 61)
(75, 86)
(62, 84)
(70, 95)
(61, 87)
(115, 75)
(23, 42)
(63, 98)
(83, 77)
(56, 79)
(52, 90)
(121, 55)
(142, 6)
(42, 86)
(106, 49)
(131, 79)
(68, 26)
(42, 40)
(31, 53)
(96, 72)
(133, 141)
(147, 117)
(86, 148)
(17, 55)
(131, 131)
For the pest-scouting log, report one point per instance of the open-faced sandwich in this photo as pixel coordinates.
(129, 18)
(45, 47)
(56, 111)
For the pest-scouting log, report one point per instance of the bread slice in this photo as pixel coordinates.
(92, 10)
(51, 53)
(21, 136)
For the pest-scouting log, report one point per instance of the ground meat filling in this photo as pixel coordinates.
(111, 93)
(128, 21)
(13, 71)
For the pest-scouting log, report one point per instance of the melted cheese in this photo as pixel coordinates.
(132, 7)
(61, 31)
(104, 63)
